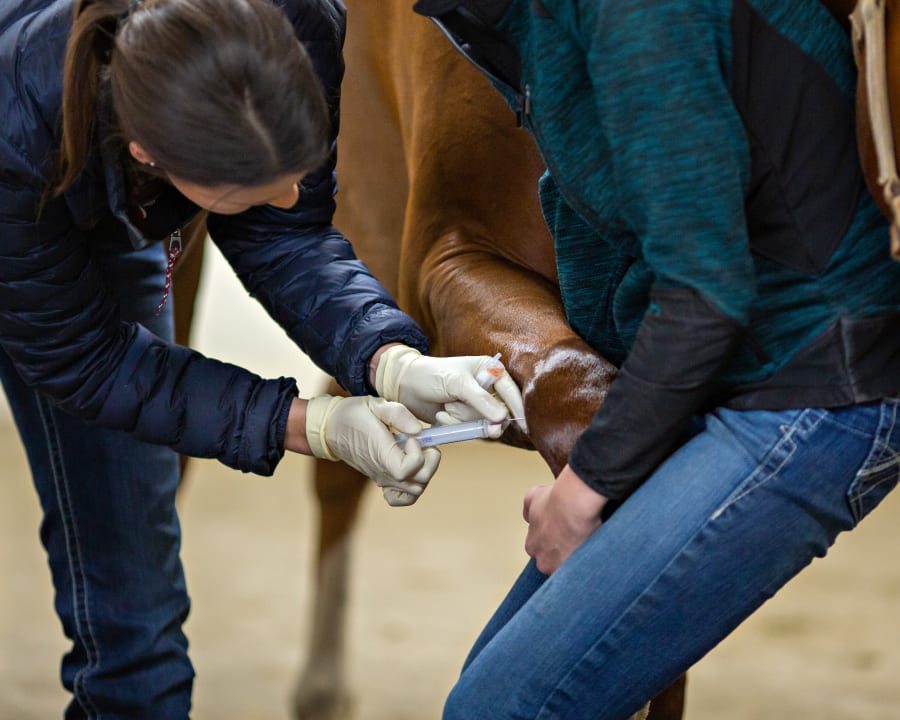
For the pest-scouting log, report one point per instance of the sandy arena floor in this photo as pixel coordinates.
(425, 579)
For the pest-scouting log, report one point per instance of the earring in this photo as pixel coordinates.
(150, 163)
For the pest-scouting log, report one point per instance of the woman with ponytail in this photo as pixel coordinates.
(122, 121)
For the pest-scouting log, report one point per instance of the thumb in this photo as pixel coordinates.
(399, 462)
(526, 503)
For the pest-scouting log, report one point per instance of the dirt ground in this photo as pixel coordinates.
(425, 579)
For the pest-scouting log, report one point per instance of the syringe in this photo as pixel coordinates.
(486, 376)
(444, 434)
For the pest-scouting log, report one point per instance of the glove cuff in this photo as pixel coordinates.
(391, 366)
(317, 412)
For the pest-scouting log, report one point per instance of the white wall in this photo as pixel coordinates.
(233, 327)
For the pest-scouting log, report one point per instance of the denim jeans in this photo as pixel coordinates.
(724, 523)
(111, 532)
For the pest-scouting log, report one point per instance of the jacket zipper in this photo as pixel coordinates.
(523, 106)
(522, 96)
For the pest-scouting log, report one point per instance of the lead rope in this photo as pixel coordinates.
(174, 252)
(870, 47)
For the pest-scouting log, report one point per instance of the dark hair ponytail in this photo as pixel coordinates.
(89, 46)
(216, 91)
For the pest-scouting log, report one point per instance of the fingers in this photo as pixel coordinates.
(461, 386)
(486, 405)
(429, 466)
(445, 418)
(509, 393)
(456, 412)
(417, 466)
(395, 497)
(393, 414)
(360, 432)
(459, 412)
(480, 401)
(402, 463)
(527, 500)
(398, 493)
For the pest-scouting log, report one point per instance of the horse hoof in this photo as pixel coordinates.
(322, 704)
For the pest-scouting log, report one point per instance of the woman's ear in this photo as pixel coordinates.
(139, 154)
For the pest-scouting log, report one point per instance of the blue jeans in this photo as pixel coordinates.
(111, 532)
(724, 523)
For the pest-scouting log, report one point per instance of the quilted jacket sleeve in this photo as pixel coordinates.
(61, 328)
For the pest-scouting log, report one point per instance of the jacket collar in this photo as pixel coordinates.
(488, 12)
(146, 225)
(471, 27)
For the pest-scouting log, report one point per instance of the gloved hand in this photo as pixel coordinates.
(357, 430)
(444, 390)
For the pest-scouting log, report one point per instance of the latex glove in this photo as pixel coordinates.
(357, 430)
(444, 390)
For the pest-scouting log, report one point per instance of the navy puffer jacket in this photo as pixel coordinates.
(65, 334)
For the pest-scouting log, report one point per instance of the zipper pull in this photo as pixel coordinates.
(174, 252)
(523, 106)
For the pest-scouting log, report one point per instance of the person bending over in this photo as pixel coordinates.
(122, 121)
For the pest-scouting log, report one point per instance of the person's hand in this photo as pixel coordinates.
(560, 517)
(445, 390)
(357, 430)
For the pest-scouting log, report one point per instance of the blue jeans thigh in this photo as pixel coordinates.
(725, 522)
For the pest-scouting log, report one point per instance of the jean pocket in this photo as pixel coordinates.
(874, 480)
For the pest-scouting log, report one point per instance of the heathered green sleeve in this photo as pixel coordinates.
(660, 71)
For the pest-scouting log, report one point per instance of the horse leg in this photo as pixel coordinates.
(321, 692)
(669, 704)
(185, 284)
(186, 277)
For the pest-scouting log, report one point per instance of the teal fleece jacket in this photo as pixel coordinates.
(714, 236)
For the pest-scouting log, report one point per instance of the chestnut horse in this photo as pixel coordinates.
(438, 194)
